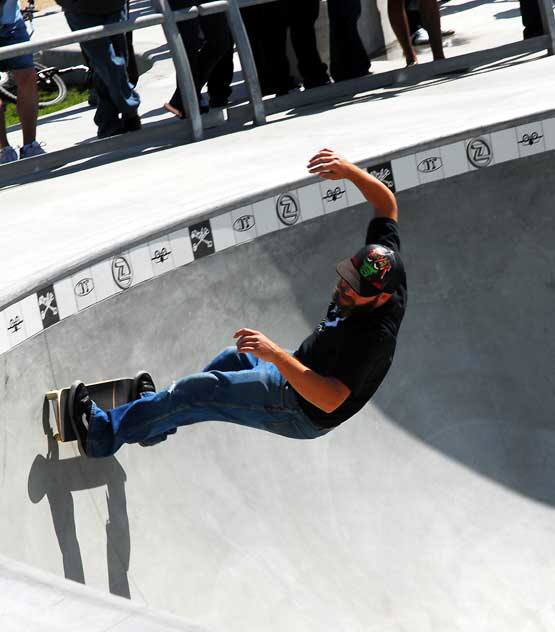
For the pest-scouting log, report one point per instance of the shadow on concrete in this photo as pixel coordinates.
(397, 90)
(62, 115)
(467, 6)
(56, 480)
(159, 53)
(507, 15)
(91, 163)
(140, 7)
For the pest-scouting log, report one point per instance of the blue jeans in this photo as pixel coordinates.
(10, 34)
(108, 58)
(235, 387)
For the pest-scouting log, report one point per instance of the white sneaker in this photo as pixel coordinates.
(31, 149)
(8, 154)
(421, 37)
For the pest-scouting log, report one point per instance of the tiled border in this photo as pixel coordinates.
(81, 290)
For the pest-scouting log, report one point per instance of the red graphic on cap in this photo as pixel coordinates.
(380, 261)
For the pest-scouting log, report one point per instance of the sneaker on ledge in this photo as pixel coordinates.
(7, 154)
(30, 150)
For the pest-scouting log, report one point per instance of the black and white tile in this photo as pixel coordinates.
(288, 209)
(202, 239)
(334, 195)
(243, 224)
(48, 306)
(530, 139)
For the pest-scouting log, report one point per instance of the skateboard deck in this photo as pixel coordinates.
(106, 395)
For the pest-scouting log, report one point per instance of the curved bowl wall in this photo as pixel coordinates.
(430, 509)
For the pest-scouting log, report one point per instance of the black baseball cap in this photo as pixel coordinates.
(374, 269)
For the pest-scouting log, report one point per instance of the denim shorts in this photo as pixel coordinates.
(15, 34)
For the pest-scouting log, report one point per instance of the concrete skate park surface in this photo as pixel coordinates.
(430, 510)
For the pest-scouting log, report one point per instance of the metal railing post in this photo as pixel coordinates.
(548, 22)
(185, 79)
(244, 49)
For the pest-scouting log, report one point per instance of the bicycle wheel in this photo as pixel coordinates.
(52, 88)
(8, 89)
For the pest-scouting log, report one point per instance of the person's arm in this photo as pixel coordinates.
(326, 393)
(330, 165)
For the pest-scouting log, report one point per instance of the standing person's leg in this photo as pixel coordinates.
(277, 23)
(130, 118)
(218, 43)
(413, 17)
(258, 398)
(3, 135)
(302, 18)
(132, 69)
(399, 23)
(220, 80)
(251, 18)
(429, 12)
(348, 57)
(106, 117)
(267, 30)
(109, 67)
(4, 41)
(7, 153)
(27, 102)
(190, 34)
(26, 80)
(531, 18)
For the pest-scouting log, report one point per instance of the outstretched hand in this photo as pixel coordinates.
(329, 164)
(255, 342)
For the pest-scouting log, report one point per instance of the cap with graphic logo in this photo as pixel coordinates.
(373, 270)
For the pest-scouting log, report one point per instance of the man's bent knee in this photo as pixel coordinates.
(199, 387)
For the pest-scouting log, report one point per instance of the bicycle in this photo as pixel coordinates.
(52, 88)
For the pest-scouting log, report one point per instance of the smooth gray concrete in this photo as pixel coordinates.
(431, 510)
(35, 601)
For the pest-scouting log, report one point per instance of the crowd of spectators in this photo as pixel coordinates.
(209, 45)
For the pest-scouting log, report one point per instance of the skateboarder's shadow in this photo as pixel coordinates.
(57, 480)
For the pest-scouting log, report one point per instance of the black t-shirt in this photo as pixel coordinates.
(357, 349)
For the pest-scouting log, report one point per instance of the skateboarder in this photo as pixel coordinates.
(256, 383)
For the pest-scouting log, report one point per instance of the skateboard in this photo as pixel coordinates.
(106, 395)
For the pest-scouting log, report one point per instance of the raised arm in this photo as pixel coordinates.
(330, 165)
